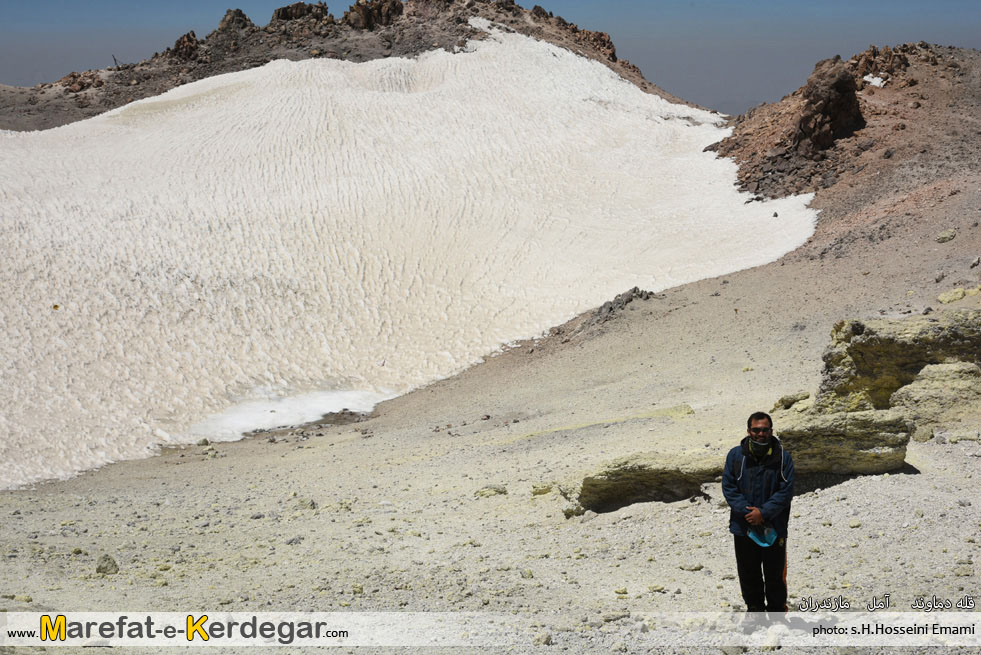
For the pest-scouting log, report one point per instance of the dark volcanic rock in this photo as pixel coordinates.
(366, 15)
(301, 10)
(831, 109)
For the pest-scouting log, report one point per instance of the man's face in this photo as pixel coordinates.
(760, 430)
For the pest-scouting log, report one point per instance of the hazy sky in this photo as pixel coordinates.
(722, 54)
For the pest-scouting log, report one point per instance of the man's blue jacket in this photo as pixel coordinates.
(767, 483)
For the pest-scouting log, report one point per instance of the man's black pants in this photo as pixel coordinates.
(762, 574)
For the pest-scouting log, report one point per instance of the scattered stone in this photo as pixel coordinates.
(788, 401)
(203, 442)
(976, 262)
(543, 638)
(854, 523)
(953, 295)
(540, 489)
(491, 490)
(691, 567)
(611, 308)
(106, 565)
(527, 574)
(622, 591)
(613, 617)
(24, 599)
(295, 541)
(946, 235)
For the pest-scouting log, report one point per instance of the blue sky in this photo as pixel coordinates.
(722, 54)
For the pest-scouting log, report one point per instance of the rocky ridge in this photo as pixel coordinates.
(372, 29)
(882, 110)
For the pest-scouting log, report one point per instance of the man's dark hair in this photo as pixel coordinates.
(758, 416)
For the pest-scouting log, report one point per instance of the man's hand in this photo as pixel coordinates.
(754, 517)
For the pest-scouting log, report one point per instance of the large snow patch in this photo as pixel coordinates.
(324, 226)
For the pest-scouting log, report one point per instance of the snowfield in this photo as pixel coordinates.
(339, 232)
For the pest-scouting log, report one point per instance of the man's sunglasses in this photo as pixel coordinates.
(761, 430)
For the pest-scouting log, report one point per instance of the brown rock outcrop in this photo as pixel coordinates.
(830, 109)
(838, 124)
(875, 61)
(299, 10)
(367, 14)
(235, 19)
(185, 48)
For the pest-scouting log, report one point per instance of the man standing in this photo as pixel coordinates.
(758, 484)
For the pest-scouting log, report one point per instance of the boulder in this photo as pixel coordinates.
(788, 401)
(106, 565)
(868, 361)
(872, 441)
(643, 477)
